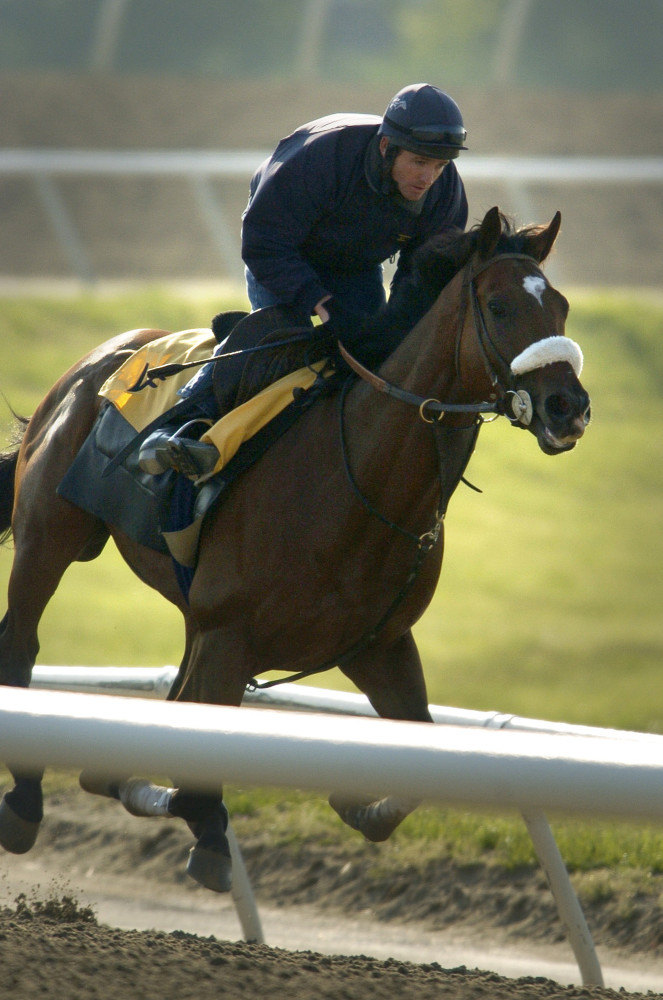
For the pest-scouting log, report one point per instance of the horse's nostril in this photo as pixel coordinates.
(558, 406)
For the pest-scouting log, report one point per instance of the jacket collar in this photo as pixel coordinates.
(380, 181)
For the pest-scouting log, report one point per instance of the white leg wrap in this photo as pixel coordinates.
(141, 798)
(389, 812)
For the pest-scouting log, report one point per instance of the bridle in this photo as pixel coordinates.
(515, 404)
(508, 398)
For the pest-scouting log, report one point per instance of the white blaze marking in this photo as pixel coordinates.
(535, 285)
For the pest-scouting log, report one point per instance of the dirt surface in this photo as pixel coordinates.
(59, 952)
(52, 944)
(140, 228)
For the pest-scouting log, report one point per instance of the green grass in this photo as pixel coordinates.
(549, 603)
(466, 836)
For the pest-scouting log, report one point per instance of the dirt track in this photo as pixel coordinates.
(51, 944)
(59, 952)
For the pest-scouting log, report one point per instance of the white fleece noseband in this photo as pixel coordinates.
(547, 352)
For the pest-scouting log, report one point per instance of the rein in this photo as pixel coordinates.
(150, 376)
(435, 407)
(411, 398)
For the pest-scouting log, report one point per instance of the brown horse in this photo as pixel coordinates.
(329, 549)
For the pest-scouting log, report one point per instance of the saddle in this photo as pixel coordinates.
(279, 339)
(166, 512)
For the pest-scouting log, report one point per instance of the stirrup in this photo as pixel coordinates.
(164, 450)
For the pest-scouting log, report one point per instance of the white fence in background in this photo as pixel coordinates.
(199, 167)
(471, 758)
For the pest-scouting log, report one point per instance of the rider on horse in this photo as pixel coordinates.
(337, 198)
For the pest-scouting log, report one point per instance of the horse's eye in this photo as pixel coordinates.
(497, 308)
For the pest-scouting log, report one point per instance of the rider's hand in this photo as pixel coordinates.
(343, 324)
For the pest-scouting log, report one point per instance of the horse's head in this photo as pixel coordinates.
(512, 332)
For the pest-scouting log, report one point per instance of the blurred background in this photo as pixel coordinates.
(128, 132)
(540, 78)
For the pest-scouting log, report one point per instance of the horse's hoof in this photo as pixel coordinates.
(17, 835)
(349, 811)
(376, 821)
(211, 869)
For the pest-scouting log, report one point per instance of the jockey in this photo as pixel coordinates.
(337, 198)
(343, 194)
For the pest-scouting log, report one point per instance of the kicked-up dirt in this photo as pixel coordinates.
(52, 944)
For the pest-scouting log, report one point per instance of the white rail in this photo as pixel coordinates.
(198, 167)
(155, 682)
(242, 163)
(519, 781)
(206, 744)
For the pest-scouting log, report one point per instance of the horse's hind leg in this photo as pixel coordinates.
(21, 809)
(42, 554)
(393, 681)
(210, 862)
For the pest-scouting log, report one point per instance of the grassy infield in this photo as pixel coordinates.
(549, 603)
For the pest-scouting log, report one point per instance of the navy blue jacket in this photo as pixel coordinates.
(319, 207)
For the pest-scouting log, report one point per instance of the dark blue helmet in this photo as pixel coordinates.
(424, 120)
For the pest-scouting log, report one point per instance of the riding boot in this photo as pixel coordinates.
(167, 448)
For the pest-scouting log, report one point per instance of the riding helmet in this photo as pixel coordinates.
(424, 120)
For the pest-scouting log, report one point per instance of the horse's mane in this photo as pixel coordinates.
(433, 266)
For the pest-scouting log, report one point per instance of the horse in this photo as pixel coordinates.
(329, 548)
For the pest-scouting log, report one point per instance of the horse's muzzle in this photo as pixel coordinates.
(561, 420)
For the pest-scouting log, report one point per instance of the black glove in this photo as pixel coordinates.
(343, 324)
(367, 337)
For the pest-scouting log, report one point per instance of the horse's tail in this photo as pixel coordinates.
(8, 461)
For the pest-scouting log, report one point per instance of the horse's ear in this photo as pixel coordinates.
(490, 231)
(540, 243)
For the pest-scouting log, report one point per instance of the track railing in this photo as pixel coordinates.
(198, 168)
(470, 758)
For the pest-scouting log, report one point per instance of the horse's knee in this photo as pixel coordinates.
(21, 812)
(375, 820)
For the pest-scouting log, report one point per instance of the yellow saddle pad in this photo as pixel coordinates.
(227, 434)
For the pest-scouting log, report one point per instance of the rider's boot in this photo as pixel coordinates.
(176, 447)
(167, 449)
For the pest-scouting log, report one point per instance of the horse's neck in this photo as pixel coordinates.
(391, 449)
(425, 362)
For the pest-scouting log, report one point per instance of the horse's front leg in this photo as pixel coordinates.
(22, 808)
(210, 862)
(201, 680)
(393, 681)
